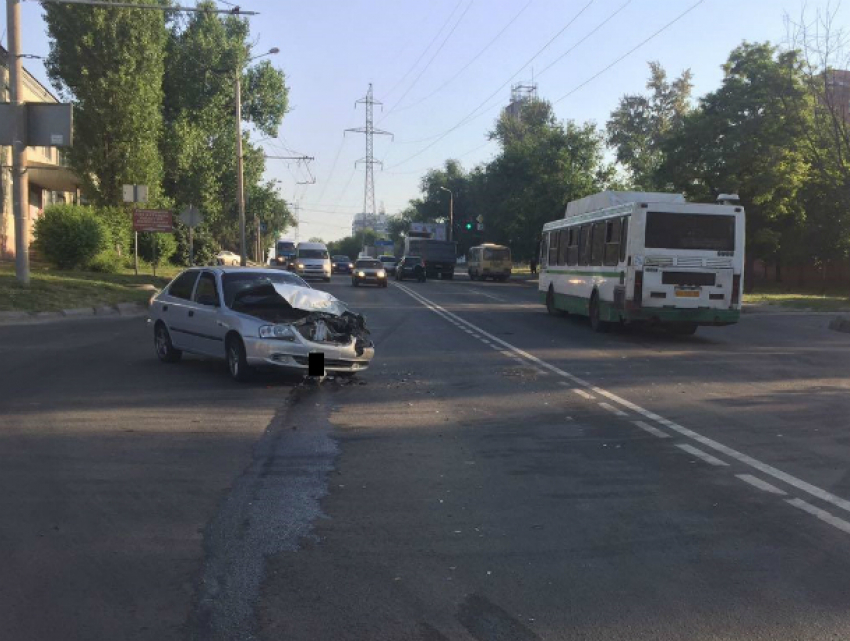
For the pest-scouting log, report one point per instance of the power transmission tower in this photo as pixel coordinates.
(369, 159)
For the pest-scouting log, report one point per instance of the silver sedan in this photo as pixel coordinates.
(257, 318)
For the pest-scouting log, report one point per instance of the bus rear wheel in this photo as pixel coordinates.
(596, 322)
(550, 303)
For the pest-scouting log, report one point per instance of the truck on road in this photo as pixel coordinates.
(440, 256)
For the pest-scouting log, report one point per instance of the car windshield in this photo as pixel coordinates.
(312, 253)
(387, 259)
(342, 259)
(235, 282)
(369, 264)
(412, 260)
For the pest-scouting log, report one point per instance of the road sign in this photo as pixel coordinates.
(155, 220)
(384, 243)
(480, 218)
(191, 217)
(480, 226)
(135, 193)
(48, 124)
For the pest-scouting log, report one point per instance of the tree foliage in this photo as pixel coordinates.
(110, 64)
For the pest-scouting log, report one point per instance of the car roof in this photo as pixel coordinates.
(231, 269)
(386, 256)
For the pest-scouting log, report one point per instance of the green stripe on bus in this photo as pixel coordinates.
(575, 272)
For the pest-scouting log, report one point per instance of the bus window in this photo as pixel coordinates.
(624, 236)
(597, 245)
(584, 244)
(612, 242)
(572, 250)
(553, 248)
(562, 246)
(544, 251)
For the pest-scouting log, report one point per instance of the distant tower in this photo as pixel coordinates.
(521, 95)
(369, 159)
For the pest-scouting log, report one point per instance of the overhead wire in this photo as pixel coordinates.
(428, 64)
(471, 115)
(629, 52)
(424, 51)
(468, 64)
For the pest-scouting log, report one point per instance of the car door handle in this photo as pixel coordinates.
(191, 313)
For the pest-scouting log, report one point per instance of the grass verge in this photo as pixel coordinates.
(52, 289)
(828, 301)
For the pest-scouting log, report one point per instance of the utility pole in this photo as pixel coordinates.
(240, 180)
(451, 211)
(369, 159)
(20, 179)
(297, 208)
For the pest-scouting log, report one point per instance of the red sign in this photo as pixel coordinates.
(159, 220)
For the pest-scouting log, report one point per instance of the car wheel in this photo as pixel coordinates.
(237, 363)
(596, 322)
(162, 343)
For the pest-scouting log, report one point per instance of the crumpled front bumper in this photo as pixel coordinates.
(293, 355)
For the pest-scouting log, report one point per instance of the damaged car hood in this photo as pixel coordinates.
(310, 300)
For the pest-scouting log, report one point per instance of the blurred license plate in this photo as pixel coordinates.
(687, 293)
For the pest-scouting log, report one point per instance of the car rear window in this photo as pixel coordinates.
(369, 264)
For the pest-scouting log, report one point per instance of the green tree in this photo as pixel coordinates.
(746, 138)
(109, 62)
(640, 124)
(204, 53)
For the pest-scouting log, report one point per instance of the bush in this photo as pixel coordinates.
(165, 245)
(70, 236)
(119, 222)
(106, 262)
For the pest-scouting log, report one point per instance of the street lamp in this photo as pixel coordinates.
(240, 181)
(451, 211)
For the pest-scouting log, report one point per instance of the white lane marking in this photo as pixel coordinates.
(762, 485)
(776, 473)
(613, 409)
(584, 394)
(708, 458)
(646, 427)
(823, 515)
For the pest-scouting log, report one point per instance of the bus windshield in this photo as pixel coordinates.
(285, 248)
(690, 231)
(501, 253)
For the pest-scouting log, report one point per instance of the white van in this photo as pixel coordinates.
(312, 261)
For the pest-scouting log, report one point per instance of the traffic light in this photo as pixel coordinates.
(468, 226)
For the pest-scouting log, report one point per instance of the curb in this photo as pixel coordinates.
(27, 318)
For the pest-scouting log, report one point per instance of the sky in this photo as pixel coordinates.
(443, 69)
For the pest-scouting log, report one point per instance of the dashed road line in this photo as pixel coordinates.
(823, 515)
(646, 427)
(740, 457)
(695, 451)
(760, 484)
(584, 394)
(612, 409)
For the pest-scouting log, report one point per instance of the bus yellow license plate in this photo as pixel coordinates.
(687, 293)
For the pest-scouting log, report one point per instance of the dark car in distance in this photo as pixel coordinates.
(369, 270)
(341, 265)
(411, 267)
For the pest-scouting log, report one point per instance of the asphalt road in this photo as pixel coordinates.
(501, 474)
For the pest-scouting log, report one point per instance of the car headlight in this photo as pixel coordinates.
(350, 265)
(382, 274)
(300, 266)
(361, 274)
(280, 332)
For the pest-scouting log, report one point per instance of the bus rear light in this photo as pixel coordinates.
(638, 293)
(736, 289)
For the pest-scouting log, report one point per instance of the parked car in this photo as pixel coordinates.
(411, 267)
(257, 318)
(312, 260)
(341, 265)
(369, 270)
(390, 263)
(225, 257)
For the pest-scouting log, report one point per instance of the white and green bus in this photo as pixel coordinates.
(624, 257)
